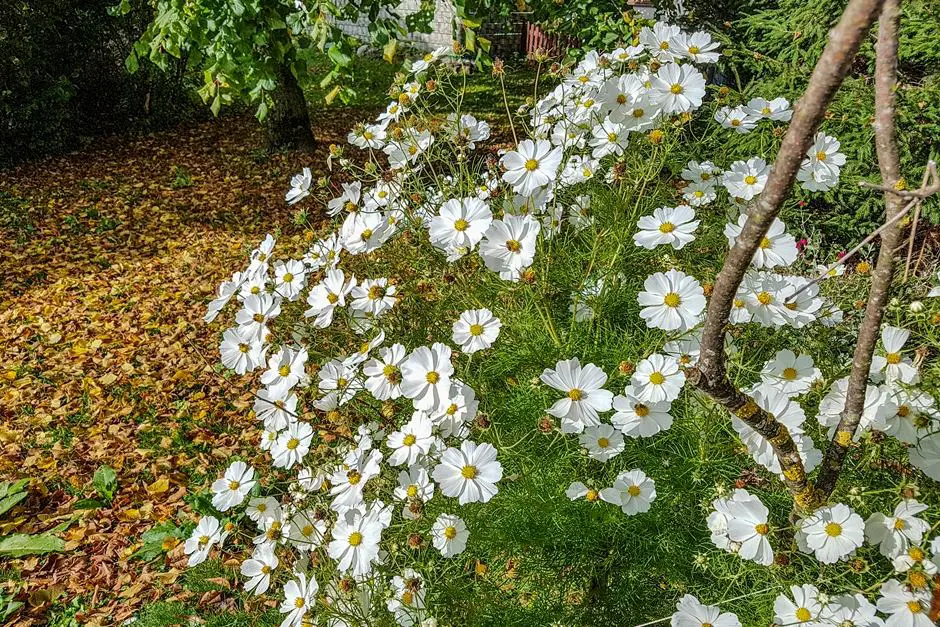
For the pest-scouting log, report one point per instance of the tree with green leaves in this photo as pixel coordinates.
(263, 52)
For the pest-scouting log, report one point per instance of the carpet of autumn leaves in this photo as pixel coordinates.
(109, 256)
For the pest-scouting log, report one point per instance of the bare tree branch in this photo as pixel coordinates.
(711, 375)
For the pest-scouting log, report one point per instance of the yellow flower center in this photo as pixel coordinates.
(259, 318)
(244, 348)
(904, 411)
(368, 135)
(833, 530)
(531, 165)
(641, 410)
(233, 485)
(349, 206)
(821, 155)
(915, 607)
(307, 531)
(332, 298)
(664, 45)
(366, 234)
(469, 472)
(299, 602)
(766, 243)
(353, 477)
(292, 444)
(695, 50)
(432, 377)
(676, 88)
(789, 374)
(409, 440)
(764, 298)
(355, 538)
(917, 579)
(265, 569)
(603, 442)
(461, 225)
(412, 491)
(667, 227)
(893, 358)
(476, 329)
(611, 137)
(592, 495)
(803, 614)
(203, 540)
(672, 300)
(450, 533)
(750, 179)
(899, 524)
(916, 554)
(633, 490)
(342, 382)
(762, 529)
(765, 111)
(575, 394)
(376, 292)
(284, 370)
(735, 122)
(513, 246)
(699, 193)
(452, 409)
(657, 378)
(638, 113)
(407, 597)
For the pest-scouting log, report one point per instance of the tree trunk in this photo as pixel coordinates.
(287, 124)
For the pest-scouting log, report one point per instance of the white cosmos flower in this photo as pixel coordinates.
(276, 408)
(289, 278)
(207, 533)
(926, 455)
(736, 118)
(414, 487)
(658, 378)
(341, 378)
(892, 366)
(608, 138)
(326, 296)
(824, 156)
(914, 417)
(476, 330)
(777, 109)
(787, 412)
(299, 187)
(532, 165)
(233, 487)
(668, 225)
(685, 349)
(916, 557)
(705, 172)
(258, 569)
(804, 608)
(306, 530)
(367, 136)
(300, 596)
(460, 224)
(746, 179)
(690, 612)
(324, 253)
(672, 301)
(365, 231)
(748, 529)
(241, 351)
(449, 535)
(292, 445)
(384, 374)
(256, 311)
(789, 373)
(262, 507)
(348, 201)
(720, 515)
(854, 610)
(637, 419)
(895, 534)
(577, 490)
(632, 491)
(285, 369)
(461, 408)
(508, 246)
(763, 295)
(412, 443)
(876, 410)
(355, 544)
(832, 533)
(585, 396)
(374, 296)
(658, 40)
(699, 194)
(426, 376)
(407, 598)
(602, 442)
(904, 607)
(777, 247)
(678, 88)
(349, 480)
(697, 47)
(469, 473)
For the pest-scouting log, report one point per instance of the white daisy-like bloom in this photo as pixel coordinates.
(737, 118)
(718, 518)
(241, 351)
(508, 247)
(672, 301)
(632, 491)
(817, 179)
(685, 350)
(854, 610)
(638, 419)
(299, 187)
(467, 130)
(699, 194)
(904, 607)
(832, 533)
(324, 253)
(804, 307)
(262, 507)
(577, 490)
(917, 558)
(426, 376)
(690, 612)
(414, 487)
(384, 374)
(362, 354)
(668, 225)
(292, 445)
(412, 443)
(407, 600)
(233, 487)
(355, 544)
(777, 247)
(208, 533)
(608, 138)
(349, 201)
(657, 379)
(895, 534)
(777, 109)
(748, 529)
(578, 168)
(460, 224)
(789, 373)
(585, 397)
(926, 455)
(365, 231)
(532, 165)
(746, 179)
(762, 294)
(289, 278)
(224, 294)
(300, 596)
(678, 88)
(706, 173)
(476, 330)
(405, 152)
(802, 607)
(449, 535)
(276, 408)
(469, 473)
(341, 379)
(876, 411)
(306, 530)
(697, 47)
(602, 442)
(374, 296)
(327, 295)
(285, 368)
(367, 136)
(788, 413)
(915, 417)
(579, 213)
(257, 309)
(893, 366)
(824, 155)
(258, 569)
(658, 40)
(349, 480)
